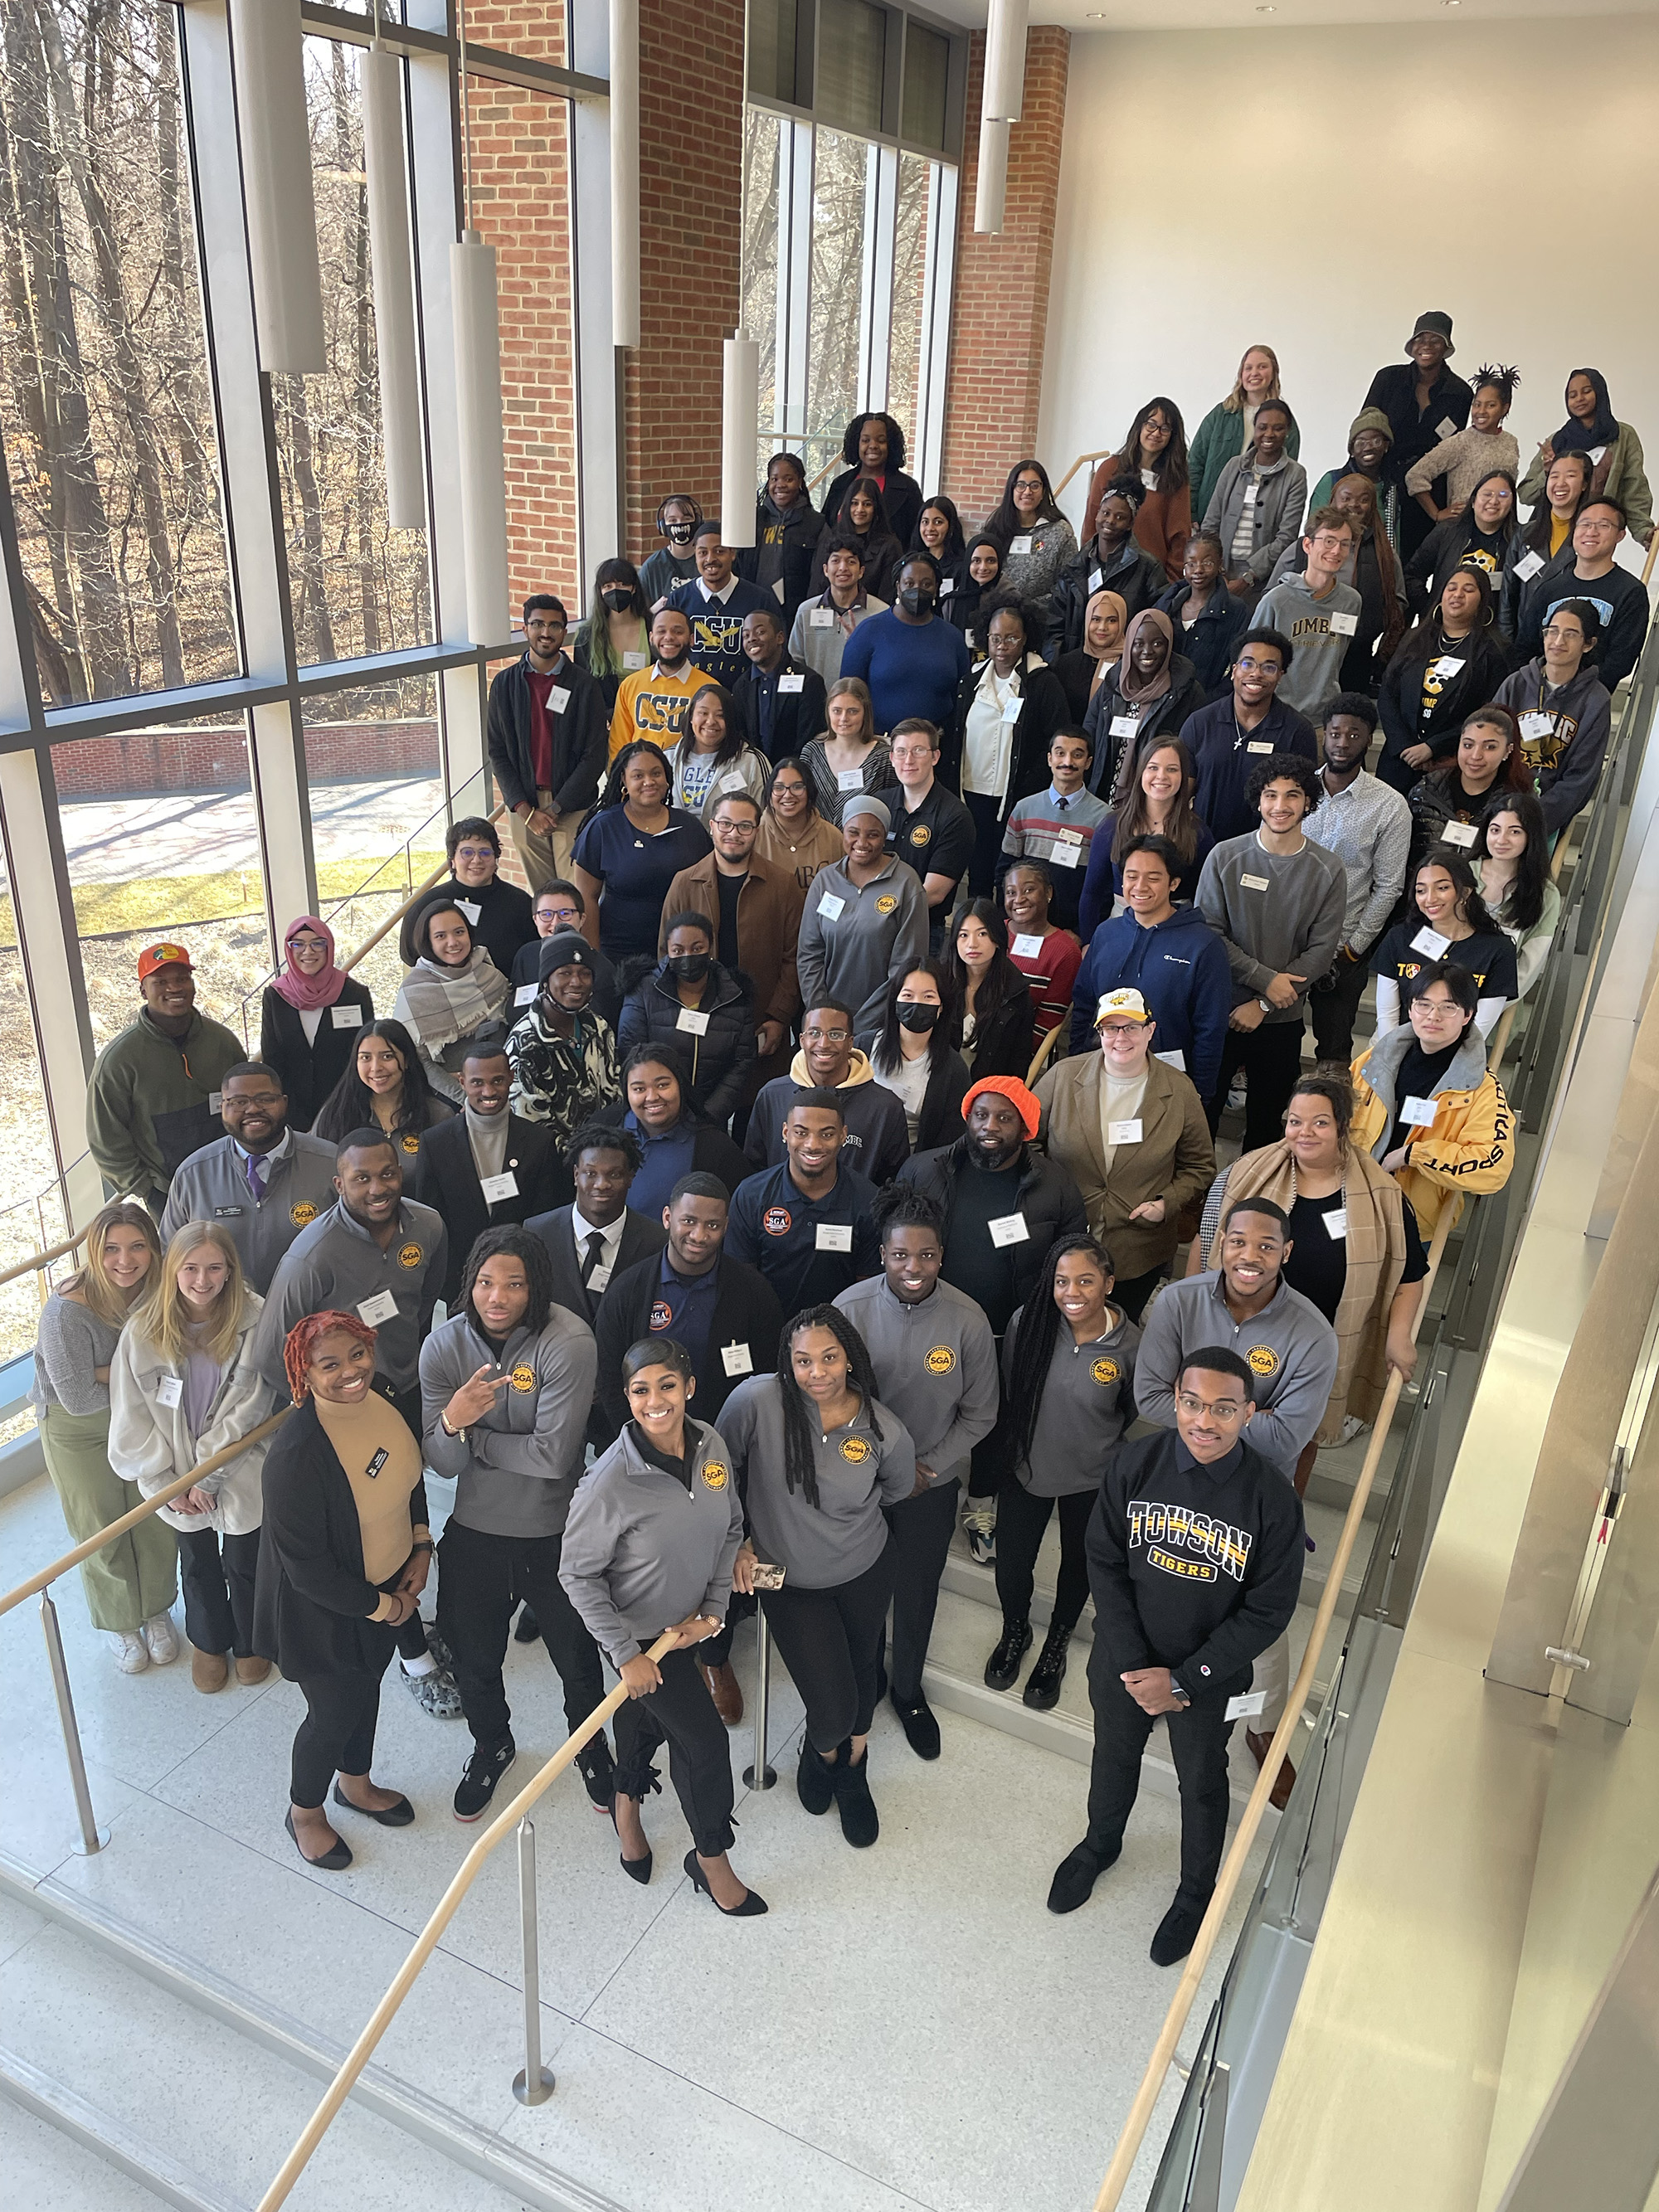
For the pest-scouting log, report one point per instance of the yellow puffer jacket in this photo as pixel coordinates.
(1470, 1145)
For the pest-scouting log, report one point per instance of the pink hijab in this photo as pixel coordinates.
(305, 993)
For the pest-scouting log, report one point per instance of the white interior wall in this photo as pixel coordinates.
(1315, 190)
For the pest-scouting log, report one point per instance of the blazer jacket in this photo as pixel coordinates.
(1174, 1159)
(746, 1312)
(446, 1179)
(641, 1238)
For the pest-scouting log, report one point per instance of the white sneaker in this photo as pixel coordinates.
(160, 1639)
(1352, 1426)
(131, 1657)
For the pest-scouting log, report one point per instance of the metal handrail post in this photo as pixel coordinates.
(761, 1776)
(93, 1837)
(535, 2085)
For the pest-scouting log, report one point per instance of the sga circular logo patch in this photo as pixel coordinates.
(1262, 1360)
(661, 1314)
(713, 1475)
(409, 1255)
(940, 1360)
(302, 1214)
(921, 834)
(885, 903)
(856, 1450)
(776, 1221)
(410, 1142)
(1105, 1372)
(523, 1376)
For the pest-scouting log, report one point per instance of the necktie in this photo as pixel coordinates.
(1063, 804)
(256, 1176)
(595, 1246)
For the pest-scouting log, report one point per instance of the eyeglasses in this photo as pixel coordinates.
(475, 852)
(1222, 1409)
(1575, 635)
(252, 1098)
(825, 1037)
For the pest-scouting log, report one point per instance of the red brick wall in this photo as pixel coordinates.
(1000, 314)
(216, 760)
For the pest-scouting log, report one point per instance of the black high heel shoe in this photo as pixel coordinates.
(753, 1904)
(637, 1870)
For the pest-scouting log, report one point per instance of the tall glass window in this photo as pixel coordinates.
(761, 134)
(840, 190)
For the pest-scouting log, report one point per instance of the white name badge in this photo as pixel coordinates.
(1258, 745)
(1336, 1223)
(737, 1359)
(1255, 883)
(849, 778)
(777, 591)
(1430, 943)
(1028, 948)
(1460, 833)
(636, 661)
(1246, 1708)
(1063, 854)
(833, 1237)
(947, 584)
(796, 683)
(820, 618)
(967, 637)
(1021, 545)
(831, 907)
(1419, 1112)
(470, 908)
(558, 697)
(1123, 1132)
(525, 994)
(1126, 725)
(383, 1306)
(1449, 664)
(497, 1187)
(1176, 1059)
(1538, 724)
(732, 780)
(169, 1391)
(1096, 580)
(1009, 1228)
(1011, 709)
(1346, 625)
(599, 1280)
(347, 1017)
(1529, 565)
(216, 1101)
(1445, 428)
(691, 1020)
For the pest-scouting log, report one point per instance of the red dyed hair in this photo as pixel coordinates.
(301, 1339)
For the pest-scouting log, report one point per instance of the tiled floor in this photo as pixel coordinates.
(908, 2026)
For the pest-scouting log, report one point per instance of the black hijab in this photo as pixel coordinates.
(1576, 437)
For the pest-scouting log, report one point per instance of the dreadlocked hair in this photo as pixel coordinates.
(301, 1341)
(901, 1205)
(532, 1256)
(799, 1469)
(1034, 1346)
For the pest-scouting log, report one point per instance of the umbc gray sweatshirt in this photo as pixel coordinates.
(642, 1552)
(517, 1469)
(1087, 1403)
(936, 1366)
(1280, 913)
(819, 1547)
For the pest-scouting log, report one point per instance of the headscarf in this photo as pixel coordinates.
(1141, 690)
(300, 1341)
(1119, 602)
(964, 603)
(1009, 1086)
(1576, 437)
(305, 993)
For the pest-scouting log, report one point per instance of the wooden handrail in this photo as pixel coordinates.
(1044, 1051)
(33, 1264)
(36, 1583)
(381, 2018)
(1232, 1869)
(1653, 555)
(1082, 460)
(414, 898)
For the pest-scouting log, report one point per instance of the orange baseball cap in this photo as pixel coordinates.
(162, 955)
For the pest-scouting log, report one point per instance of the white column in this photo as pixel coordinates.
(600, 475)
(876, 304)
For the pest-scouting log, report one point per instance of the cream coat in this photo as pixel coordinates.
(149, 1444)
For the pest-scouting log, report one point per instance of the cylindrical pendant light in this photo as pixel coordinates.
(991, 193)
(268, 51)
(388, 172)
(478, 411)
(1005, 62)
(740, 427)
(625, 173)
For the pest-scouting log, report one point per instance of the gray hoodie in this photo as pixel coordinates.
(820, 1547)
(517, 1468)
(936, 1366)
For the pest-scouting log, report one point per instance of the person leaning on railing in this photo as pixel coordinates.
(346, 1553)
(131, 1584)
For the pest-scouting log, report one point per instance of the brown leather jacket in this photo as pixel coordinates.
(769, 921)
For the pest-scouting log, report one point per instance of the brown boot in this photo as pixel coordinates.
(725, 1689)
(253, 1670)
(1285, 1780)
(209, 1670)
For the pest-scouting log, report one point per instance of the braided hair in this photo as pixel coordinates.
(1033, 1345)
(532, 1255)
(799, 1469)
(901, 1205)
(302, 1340)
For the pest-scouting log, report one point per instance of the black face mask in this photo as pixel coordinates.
(619, 602)
(918, 1019)
(914, 602)
(691, 966)
(678, 533)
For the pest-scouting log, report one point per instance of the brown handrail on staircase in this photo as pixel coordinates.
(447, 1906)
(36, 1260)
(1044, 1053)
(416, 895)
(1233, 1868)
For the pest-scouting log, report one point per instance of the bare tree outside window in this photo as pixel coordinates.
(841, 167)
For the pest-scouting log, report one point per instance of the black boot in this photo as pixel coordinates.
(1042, 1683)
(859, 1820)
(815, 1782)
(1004, 1664)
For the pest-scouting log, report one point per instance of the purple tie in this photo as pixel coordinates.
(256, 1177)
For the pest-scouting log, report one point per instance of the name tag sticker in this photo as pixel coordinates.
(1246, 1708)
(347, 1017)
(215, 1101)
(820, 618)
(1445, 428)
(228, 1212)
(831, 907)
(1430, 943)
(599, 1280)
(169, 1391)
(1028, 948)
(383, 1306)
(732, 780)
(833, 1237)
(558, 697)
(1538, 724)
(791, 682)
(525, 994)
(1096, 580)
(1458, 832)
(1346, 625)
(1255, 883)
(1176, 1059)
(469, 907)
(1011, 709)
(497, 1187)
(1021, 545)
(1125, 725)
(849, 778)
(946, 585)
(1449, 664)
(777, 591)
(1529, 564)
(1419, 1112)
(1123, 1132)
(1258, 745)
(1065, 854)
(689, 1020)
(636, 661)
(737, 1359)
(1009, 1228)
(1336, 1223)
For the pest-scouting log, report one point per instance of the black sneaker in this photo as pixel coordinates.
(921, 1728)
(1042, 1684)
(484, 1770)
(599, 1773)
(1003, 1666)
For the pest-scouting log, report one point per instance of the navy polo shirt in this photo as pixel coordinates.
(683, 1307)
(774, 1226)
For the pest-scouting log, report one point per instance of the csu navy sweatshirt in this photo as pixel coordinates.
(1193, 1568)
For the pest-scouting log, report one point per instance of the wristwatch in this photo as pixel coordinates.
(1266, 1004)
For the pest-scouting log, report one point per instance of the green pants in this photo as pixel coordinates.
(137, 1577)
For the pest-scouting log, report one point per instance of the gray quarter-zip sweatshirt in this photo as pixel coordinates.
(517, 1469)
(642, 1552)
(1087, 1403)
(1278, 914)
(936, 1366)
(820, 1547)
(854, 937)
(212, 1185)
(1288, 1346)
(336, 1263)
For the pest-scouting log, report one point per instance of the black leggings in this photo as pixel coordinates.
(1021, 1520)
(680, 1713)
(831, 1640)
(337, 1735)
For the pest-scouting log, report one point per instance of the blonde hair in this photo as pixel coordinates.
(167, 1321)
(855, 688)
(1234, 402)
(90, 1282)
